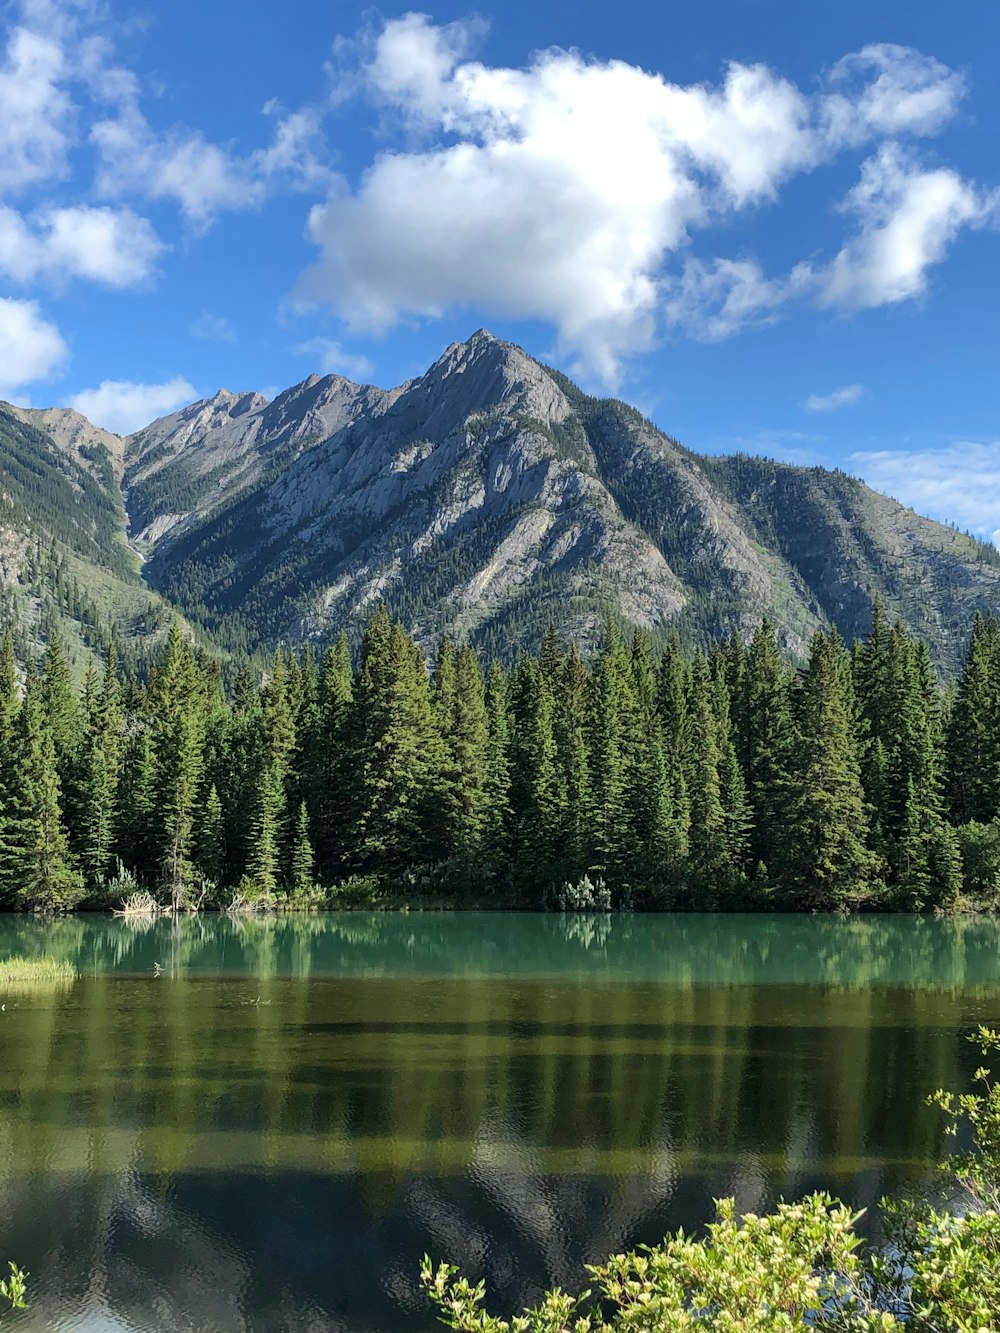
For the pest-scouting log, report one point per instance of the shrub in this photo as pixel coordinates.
(583, 896)
(801, 1267)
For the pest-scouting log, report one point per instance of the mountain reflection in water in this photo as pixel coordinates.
(270, 1133)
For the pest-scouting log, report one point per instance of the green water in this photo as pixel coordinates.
(264, 1124)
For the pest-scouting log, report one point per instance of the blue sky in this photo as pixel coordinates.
(771, 224)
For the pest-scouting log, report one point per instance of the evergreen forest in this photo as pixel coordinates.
(718, 779)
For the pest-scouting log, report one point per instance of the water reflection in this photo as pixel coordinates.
(269, 1134)
(692, 949)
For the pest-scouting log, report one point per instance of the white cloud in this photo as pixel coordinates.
(123, 406)
(36, 113)
(30, 347)
(909, 216)
(332, 359)
(958, 483)
(181, 165)
(569, 185)
(297, 149)
(846, 396)
(213, 328)
(887, 90)
(114, 247)
(565, 190)
(714, 299)
(205, 178)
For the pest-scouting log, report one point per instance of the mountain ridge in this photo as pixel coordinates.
(491, 495)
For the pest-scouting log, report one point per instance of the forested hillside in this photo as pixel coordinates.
(703, 780)
(65, 566)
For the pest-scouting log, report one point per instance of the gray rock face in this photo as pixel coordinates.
(489, 496)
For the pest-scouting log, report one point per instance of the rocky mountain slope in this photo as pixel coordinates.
(490, 496)
(65, 561)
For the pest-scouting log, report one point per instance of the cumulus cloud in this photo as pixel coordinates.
(958, 482)
(205, 178)
(213, 328)
(60, 87)
(182, 165)
(30, 347)
(885, 90)
(36, 112)
(114, 247)
(846, 396)
(332, 359)
(909, 216)
(572, 191)
(569, 183)
(123, 406)
(713, 299)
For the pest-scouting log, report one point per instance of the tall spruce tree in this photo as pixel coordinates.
(176, 729)
(763, 739)
(36, 870)
(570, 705)
(496, 777)
(396, 753)
(821, 859)
(974, 729)
(708, 853)
(536, 805)
(98, 774)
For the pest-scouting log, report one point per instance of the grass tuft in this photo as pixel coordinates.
(31, 972)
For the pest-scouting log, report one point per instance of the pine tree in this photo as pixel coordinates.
(653, 836)
(535, 799)
(974, 729)
(330, 784)
(570, 689)
(10, 695)
(210, 839)
(671, 707)
(763, 740)
(821, 857)
(94, 825)
(496, 778)
(266, 829)
(176, 704)
(736, 813)
(301, 877)
(60, 707)
(708, 854)
(467, 752)
(396, 753)
(614, 745)
(35, 866)
(10, 704)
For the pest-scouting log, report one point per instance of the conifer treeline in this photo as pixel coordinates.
(724, 778)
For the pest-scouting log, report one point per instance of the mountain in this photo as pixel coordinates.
(65, 561)
(489, 497)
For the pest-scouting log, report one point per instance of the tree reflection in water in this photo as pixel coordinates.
(272, 1131)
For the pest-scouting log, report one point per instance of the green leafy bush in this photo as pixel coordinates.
(801, 1267)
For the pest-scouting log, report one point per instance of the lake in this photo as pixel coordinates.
(262, 1124)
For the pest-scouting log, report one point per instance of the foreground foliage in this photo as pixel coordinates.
(801, 1267)
(14, 1289)
(710, 780)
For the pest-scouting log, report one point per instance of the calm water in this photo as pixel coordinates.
(270, 1132)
